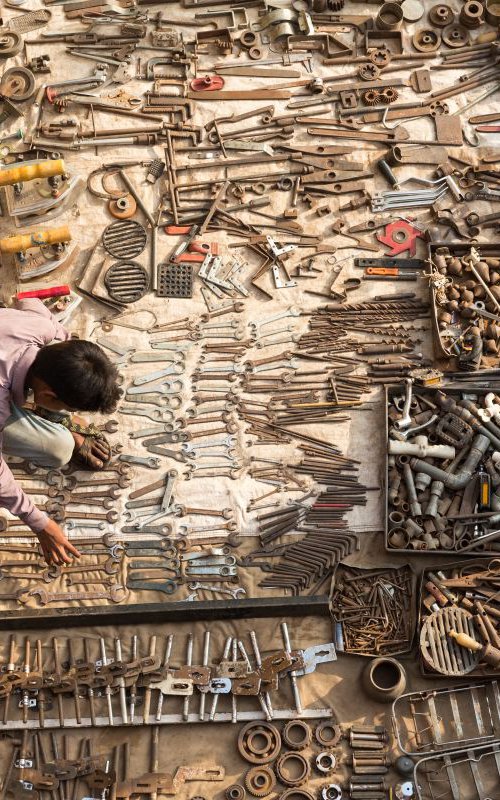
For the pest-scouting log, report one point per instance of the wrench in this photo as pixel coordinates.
(160, 402)
(167, 387)
(405, 420)
(165, 451)
(115, 593)
(139, 358)
(236, 594)
(166, 428)
(175, 369)
(214, 551)
(293, 311)
(189, 447)
(169, 488)
(225, 572)
(293, 363)
(184, 530)
(150, 462)
(154, 413)
(167, 587)
(211, 561)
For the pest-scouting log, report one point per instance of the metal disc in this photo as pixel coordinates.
(126, 281)
(18, 84)
(124, 239)
(413, 10)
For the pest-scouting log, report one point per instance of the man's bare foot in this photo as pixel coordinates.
(95, 452)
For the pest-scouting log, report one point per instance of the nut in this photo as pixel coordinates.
(235, 792)
(325, 762)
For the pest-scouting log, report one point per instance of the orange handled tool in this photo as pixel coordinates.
(23, 242)
(31, 170)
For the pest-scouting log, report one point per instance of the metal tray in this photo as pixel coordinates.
(390, 391)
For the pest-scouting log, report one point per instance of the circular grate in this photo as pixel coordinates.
(440, 652)
(126, 281)
(125, 238)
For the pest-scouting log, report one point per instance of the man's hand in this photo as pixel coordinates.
(56, 547)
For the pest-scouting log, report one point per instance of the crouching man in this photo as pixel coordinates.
(63, 375)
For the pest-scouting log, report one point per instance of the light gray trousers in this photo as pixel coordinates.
(42, 441)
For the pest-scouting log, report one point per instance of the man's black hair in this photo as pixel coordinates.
(80, 374)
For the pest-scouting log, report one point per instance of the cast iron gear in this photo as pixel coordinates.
(297, 734)
(235, 792)
(259, 742)
(328, 734)
(389, 95)
(371, 97)
(260, 781)
(292, 769)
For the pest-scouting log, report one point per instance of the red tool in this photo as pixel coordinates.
(488, 128)
(400, 237)
(209, 83)
(52, 291)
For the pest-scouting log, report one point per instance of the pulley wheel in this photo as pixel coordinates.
(456, 36)
(126, 281)
(18, 84)
(123, 207)
(124, 239)
(11, 43)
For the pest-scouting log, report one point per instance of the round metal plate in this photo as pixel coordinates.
(124, 238)
(126, 281)
(439, 651)
(413, 10)
(18, 84)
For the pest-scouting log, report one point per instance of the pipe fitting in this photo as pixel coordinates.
(420, 447)
(415, 507)
(459, 479)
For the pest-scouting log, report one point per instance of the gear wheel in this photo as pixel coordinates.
(441, 15)
(328, 734)
(297, 734)
(389, 95)
(235, 792)
(260, 781)
(259, 742)
(292, 769)
(371, 97)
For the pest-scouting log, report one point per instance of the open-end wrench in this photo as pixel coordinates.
(149, 461)
(223, 571)
(174, 369)
(169, 488)
(171, 565)
(166, 387)
(168, 427)
(211, 551)
(151, 413)
(189, 447)
(115, 593)
(139, 358)
(236, 593)
(293, 311)
(167, 587)
(174, 454)
(211, 561)
(161, 402)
